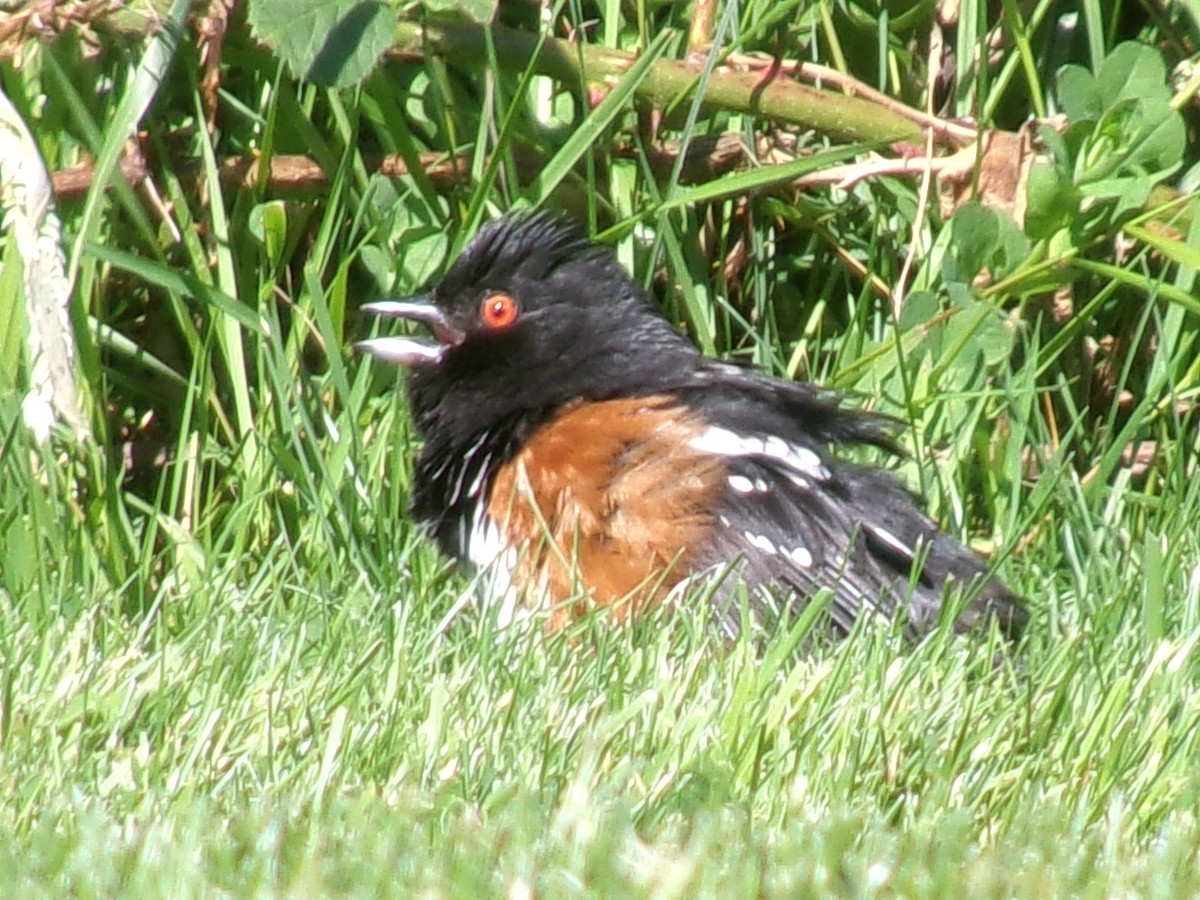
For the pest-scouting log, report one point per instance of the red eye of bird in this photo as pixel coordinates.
(499, 311)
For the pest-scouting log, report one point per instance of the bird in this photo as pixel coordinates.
(579, 452)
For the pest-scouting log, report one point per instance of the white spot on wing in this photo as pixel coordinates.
(801, 557)
(777, 447)
(741, 484)
(723, 442)
(761, 542)
(891, 540)
(798, 481)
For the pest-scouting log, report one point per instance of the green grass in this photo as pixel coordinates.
(289, 736)
(238, 670)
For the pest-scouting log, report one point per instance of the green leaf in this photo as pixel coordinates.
(1136, 132)
(1078, 95)
(1057, 144)
(382, 267)
(1012, 248)
(981, 238)
(993, 338)
(424, 255)
(1157, 136)
(417, 244)
(1131, 190)
(332, 43)
(973, 338)
(1133, 71)
(919, 308)
(1052, 201)
(974, 233)
(480, 11)
(419, 104)
(268, 223)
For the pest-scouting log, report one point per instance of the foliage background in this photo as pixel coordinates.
(231, 665)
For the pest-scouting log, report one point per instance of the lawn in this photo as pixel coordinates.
(232, 665)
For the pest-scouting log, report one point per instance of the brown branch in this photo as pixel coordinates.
(212, 28)
(700, 32)
(287, 173)
(944, 130)
(707, 158)
(838, 115)
(47, 19)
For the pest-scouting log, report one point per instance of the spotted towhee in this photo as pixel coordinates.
(580, 450)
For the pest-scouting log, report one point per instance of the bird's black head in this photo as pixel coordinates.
(531, 316)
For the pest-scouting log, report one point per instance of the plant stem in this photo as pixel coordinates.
(837, 115)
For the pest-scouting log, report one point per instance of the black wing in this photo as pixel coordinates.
(801, 520)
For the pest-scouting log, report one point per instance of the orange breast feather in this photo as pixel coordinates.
(604, 504)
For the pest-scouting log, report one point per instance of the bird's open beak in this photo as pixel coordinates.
(411, 351)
